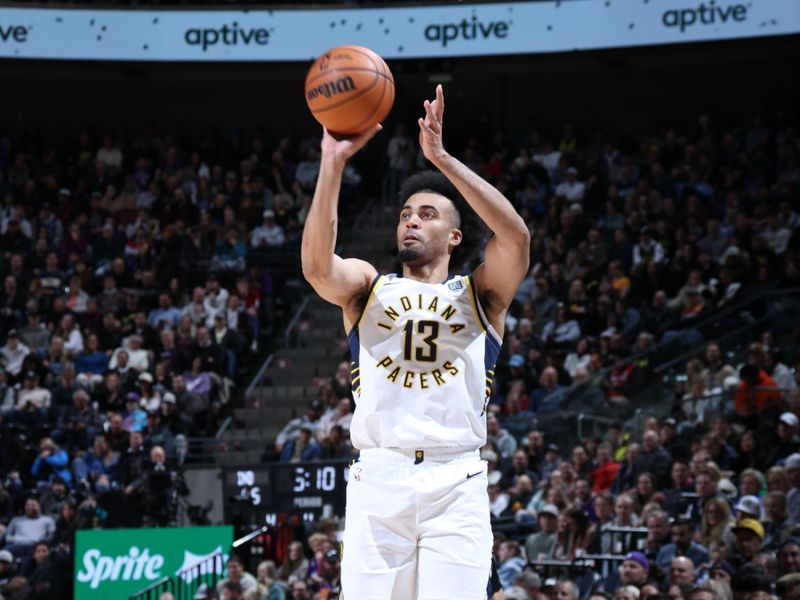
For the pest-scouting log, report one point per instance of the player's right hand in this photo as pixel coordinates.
(342, 147)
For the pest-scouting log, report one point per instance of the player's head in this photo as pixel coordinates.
(435, 220)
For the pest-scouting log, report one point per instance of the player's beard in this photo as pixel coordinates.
(407, 255)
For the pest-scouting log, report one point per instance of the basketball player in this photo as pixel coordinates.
(423, 349)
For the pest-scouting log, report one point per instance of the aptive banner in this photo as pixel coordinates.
(403, 32)
(115, 563)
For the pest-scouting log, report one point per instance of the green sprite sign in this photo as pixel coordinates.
(113, 564)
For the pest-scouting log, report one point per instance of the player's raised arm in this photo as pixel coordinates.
(337, 280)
(508, 252)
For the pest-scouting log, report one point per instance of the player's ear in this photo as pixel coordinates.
(455, 237)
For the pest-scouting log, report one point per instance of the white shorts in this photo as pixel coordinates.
(416, 531)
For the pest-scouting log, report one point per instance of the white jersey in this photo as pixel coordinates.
(423, 360)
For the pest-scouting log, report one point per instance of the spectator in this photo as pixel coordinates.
(25, 531)
(13, 353)
(541, 545)
(777, 526)
(509, 562)
(268, 586)
(269, 234)
(716, 526)
(500, 438)
(681, 571)
(682, 545)
(51, 462)
(238, 576)
(302, 449)
(295, 565)
(749, 538)
(757, 393)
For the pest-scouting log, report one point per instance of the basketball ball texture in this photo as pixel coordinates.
(349, 89)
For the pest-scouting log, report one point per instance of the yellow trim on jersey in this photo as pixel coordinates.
(474, 298)
(374, 287)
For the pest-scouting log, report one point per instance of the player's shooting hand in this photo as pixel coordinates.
(430, 127)
(343, 147)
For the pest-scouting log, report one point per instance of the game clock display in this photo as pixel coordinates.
(264, 494)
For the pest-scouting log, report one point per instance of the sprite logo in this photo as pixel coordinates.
(113, 564)
(142, 564)
(133, 566)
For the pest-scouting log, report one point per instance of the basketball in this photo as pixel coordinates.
(349, 89)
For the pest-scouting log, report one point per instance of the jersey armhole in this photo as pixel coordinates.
(372, 288)
(478, 309)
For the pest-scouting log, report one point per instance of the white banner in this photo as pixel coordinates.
(407, 32)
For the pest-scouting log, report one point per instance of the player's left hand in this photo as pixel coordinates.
(430, 127)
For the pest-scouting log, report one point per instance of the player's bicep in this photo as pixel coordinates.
(503, 269)
(347, 279)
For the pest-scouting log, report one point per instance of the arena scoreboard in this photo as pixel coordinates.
(268, 493)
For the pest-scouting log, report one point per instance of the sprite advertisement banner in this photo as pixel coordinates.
(115, 563)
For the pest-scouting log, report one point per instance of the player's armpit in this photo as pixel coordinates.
(346, 280)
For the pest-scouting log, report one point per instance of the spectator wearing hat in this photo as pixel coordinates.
(134, 418)
(540, 545)
(721, 570)
(682, 545)
(788, 442)
(330, 574)
(173, 419)
(291, 430)
(33, 402)
(748, 507)
(8, 568)
(269, 235)
(634, 571)
(550, 462)
(747, 543)
(571, 188)
(148, 397)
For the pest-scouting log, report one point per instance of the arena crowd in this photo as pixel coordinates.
(140, 276)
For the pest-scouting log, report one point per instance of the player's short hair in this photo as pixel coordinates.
(473, 230)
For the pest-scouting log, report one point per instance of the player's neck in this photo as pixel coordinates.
(432, 272)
